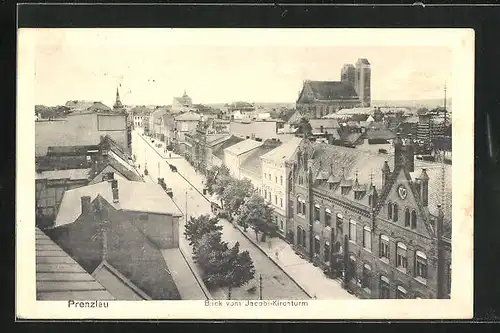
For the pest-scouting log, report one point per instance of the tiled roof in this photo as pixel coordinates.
(188, 116)
(219, 152)
(133, 196)
(71, 174)
(61, 162)
(350, 112)
(332, 90)
(253, 162)
(341, 163)
(243, 147)
(93, 107)
(284, 152)
(327, 124)
(59, 277)
(114, 281)
(140, 110)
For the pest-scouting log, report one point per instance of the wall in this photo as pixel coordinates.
(162, 229)
(261, 129)
(232, 162)
(276, 188)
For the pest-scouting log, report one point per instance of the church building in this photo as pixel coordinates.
(319, 98)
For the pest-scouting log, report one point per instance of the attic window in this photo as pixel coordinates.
(358, 195)
(345, 190)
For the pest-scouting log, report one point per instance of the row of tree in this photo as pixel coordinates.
(222, 265)
(241, 202)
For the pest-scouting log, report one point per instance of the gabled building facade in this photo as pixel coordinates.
(382, 226)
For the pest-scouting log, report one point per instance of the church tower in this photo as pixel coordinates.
(362, 81)
(118, 104)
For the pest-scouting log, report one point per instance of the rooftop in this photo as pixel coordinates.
(332, 90)
(70, 174)
(133, 196)
(284, 152)
(219, 151)
(59, 277)
(253, 162)
(188, 116)
(243, 147)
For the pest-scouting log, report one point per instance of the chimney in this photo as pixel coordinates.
(423, 180)
(86, 207)
(114, 188)
(386, 173)
(410, 154)
(441, 284)
(398, 157)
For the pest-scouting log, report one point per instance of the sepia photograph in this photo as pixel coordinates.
(245, 173)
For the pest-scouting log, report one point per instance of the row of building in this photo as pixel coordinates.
(384, 219)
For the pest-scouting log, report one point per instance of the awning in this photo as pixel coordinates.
(384, 238)
(421, 255)
(317, 237)
(383, 278)
(401, 289)
(401, 246)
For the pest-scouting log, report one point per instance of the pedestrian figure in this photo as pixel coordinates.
(269, 242)
(314, 297)
(276, 254)
(170, 155)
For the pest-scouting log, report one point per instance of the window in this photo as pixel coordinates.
(316, 212)
(344, 190)
(389, 211)
(401, 259)
(413, 220)
(352, 230)
(281, 224)
(301, 206)
(395, 213)
(358, 195)
(370, 200)
(276, 179)
(384, 247)
(331, 186)
(316, 245)
(290, 207)
(265, 194)
(303, 238)
(328, 217)
(275, 199)
(365, 281)
(326, 251)
(421, 265)
(340, 221)
(407, 217)
(299, 236)
(401, 293)
(352, 268)
(281, 180)
(367, 238)
(281, 202)
(384, 287)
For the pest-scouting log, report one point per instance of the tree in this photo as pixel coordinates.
(235, 194)
(259, 214)
(209, 250)
(237, 268)
(304, 127)
(197, 227)
(213, 174)
(222, 182)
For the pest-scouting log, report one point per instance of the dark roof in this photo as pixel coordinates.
(219, 152)
(83, 241)
(363, 61)
(59, 277)
(44, 163)
(330, 90)
(380, 134)
(109, 160)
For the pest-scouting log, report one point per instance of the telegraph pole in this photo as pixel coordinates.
(260, 286)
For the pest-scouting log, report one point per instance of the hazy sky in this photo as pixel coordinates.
(153, 67)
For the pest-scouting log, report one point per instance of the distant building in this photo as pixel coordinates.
(319, 98)
(182, 104)
(258, 130)
(185, 123)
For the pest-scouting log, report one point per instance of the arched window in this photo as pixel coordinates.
(395, 213)
(420, 265)
(367, 238)
(413, 220)
(401, 257)
(407, 217)
(299, 236)
(301, 206)
(389, 210)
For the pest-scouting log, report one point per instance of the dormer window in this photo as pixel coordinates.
(358, 195)
(344, 190)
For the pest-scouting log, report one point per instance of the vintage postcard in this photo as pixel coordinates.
(245, 174)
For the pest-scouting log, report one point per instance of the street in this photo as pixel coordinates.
(275, 283)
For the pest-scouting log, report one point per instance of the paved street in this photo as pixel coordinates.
(275, 283)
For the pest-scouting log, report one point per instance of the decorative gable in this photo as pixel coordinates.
(401, 204)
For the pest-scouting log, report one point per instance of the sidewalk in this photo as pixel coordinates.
(310, 278)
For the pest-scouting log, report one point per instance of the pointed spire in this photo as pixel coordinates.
(356, 182)
(371, 177)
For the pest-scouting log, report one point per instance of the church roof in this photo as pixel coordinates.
(332, 90)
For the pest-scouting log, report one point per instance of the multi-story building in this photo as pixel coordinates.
(429, 127)
(275, 190)
(260, 130)
(185, 123)
(384, 224)
(319, 98)
(237, 153)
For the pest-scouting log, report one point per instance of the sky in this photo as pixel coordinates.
(153, 66)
